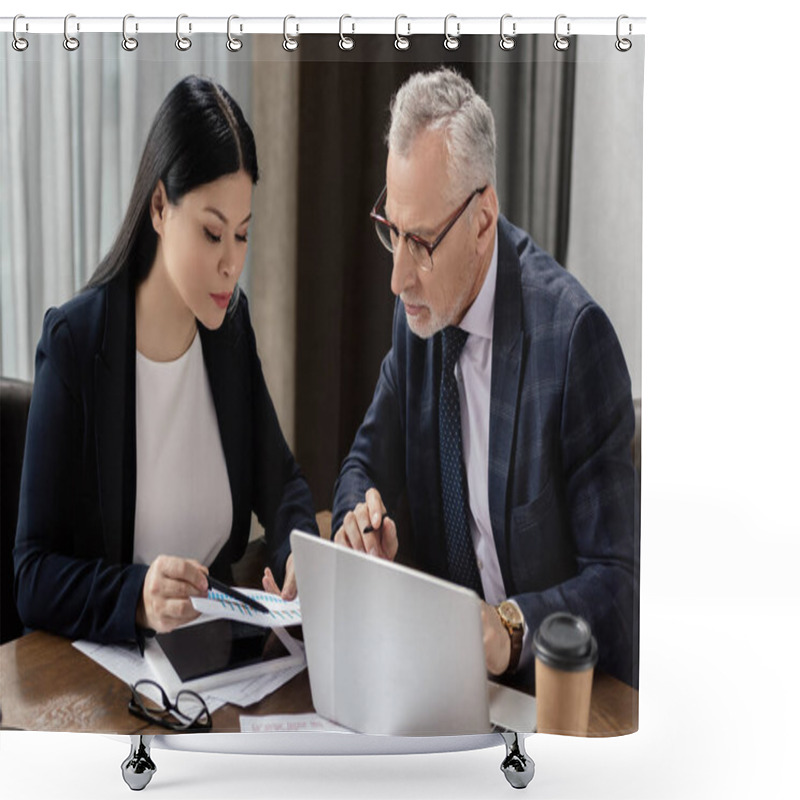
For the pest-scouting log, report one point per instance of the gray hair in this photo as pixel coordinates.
(443, 100)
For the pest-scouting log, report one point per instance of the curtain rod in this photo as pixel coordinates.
(347, 25)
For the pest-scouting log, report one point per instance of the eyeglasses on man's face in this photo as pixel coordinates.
(420, 249)
(188, 713)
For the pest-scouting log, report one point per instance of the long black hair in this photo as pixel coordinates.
(199, 134)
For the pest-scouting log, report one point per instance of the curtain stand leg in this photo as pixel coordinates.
(518, 766)
(138, 768)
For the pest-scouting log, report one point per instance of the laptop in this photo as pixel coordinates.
(395, 651)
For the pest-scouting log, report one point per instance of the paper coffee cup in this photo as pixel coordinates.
(565, 653)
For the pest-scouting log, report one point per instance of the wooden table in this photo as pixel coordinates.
(48, 685)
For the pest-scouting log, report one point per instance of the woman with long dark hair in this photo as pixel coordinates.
(151, 435)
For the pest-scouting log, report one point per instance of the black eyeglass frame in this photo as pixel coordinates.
(200, 722)
(429, 247)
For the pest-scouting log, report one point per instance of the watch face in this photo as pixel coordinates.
(510, 613)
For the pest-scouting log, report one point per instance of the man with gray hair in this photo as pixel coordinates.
(503, 409)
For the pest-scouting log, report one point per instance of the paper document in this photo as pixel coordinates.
(282, 612)
(124, 661)
(246, 692)
(286, 723)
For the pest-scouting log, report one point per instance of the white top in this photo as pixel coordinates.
(474, 377)
(183, 497)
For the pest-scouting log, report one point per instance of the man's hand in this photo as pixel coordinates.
(169, 583)
(381, 540)
(289, 591)
(496, 641)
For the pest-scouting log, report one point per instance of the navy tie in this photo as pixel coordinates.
(460, 553)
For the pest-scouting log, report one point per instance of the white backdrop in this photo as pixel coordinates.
(720, 531)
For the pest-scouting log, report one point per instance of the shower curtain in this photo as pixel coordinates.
(569, 174)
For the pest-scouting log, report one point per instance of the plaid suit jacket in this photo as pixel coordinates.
(560, 473)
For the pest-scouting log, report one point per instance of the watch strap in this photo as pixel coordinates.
(515, 635)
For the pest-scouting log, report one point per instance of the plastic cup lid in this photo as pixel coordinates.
(564, 641)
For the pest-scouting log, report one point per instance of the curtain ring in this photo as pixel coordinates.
(129, 43)
(507, 42)
(623, 45)
(401, 42)
(452, 42)
(18, 43)
(183, 43)
(346, 42)
(233, 44)
(290, 43)
(561, 43)
(70, 42)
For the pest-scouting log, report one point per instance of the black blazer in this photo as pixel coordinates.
(74, 542)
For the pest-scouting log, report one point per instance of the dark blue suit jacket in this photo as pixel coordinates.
(561, 477)
(74, 543)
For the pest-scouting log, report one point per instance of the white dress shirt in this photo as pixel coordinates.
(474, 378)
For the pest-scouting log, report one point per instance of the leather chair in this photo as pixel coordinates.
(15, 400)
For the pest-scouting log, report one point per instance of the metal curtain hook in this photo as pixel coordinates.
(623, 45)
(233, 44)
(346, 42)
(452, 42)
(507, 42)
(183, 43)
(289, 42)
(18, 43)
(401, 42)
(70, 42)
(560, 43)
(129, 43)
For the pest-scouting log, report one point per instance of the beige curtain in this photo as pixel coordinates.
(273, 252)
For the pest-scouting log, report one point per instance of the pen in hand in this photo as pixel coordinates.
(213, 583)
(370, 529)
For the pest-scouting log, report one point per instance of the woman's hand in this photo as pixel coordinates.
(289, 591)
(169, 583)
